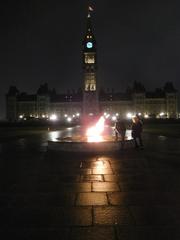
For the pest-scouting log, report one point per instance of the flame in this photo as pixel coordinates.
(94, 133)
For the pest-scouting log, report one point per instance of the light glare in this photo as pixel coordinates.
(53, 117)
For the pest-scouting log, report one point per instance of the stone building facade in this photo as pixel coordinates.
(159, 103)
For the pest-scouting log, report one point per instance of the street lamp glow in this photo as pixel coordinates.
(129, 115)
(69, 119)
(114, 118)
(53, 117)
(146, 116)
(161, 114)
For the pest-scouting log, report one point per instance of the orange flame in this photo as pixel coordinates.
(94, 133)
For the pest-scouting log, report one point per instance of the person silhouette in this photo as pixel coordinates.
(137, 127)
(120, 130)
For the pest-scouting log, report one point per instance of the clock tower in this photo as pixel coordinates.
(90, 92)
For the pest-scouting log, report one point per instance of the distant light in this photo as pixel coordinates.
(105, 114)
(91, 114)
(146, 116)
(162, 114)
(65, 115)
(129, 115)
(24, 119)
(77, 114)
(69, 119)
(117, 114)
(73, 116)
(43, 116)
(20, 116)
(114, 118)
(139, 114)
(53, 117)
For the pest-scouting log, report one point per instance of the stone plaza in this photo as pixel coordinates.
(133, 194)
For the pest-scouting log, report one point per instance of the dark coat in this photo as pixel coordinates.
(136, 129)
(120, 127)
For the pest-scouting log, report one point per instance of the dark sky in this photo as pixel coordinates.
(41, 42)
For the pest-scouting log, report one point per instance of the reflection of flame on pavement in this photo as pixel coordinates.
(54, 135)
(94, 134)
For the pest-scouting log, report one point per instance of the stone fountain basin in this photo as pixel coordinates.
(81, 145)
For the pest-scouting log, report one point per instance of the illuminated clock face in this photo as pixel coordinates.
(89, 45)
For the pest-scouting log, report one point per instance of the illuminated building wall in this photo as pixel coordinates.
(160, 103)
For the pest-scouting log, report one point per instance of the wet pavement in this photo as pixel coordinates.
(134, 194)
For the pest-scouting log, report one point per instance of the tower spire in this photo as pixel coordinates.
(89, 29)
(90, 93)
(90, 9)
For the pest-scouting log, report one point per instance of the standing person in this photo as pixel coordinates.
(137, 131)
(120, 129)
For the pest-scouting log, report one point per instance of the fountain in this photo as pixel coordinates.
(98, 138)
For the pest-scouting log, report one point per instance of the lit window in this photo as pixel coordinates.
(89, 59)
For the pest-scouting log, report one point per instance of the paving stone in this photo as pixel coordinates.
(36, 233)
(77, 171)
(100, 170)
(67, 171)
(96, 164)
(44, 187)
(52, 196)
(127, 178)
(130, 198)
(75, 187)
(92, 178)
(105, 187)
(129, 187)
(5, 200)
(82, 171)
(133, 233)
(93, 233)
(125, 164)
(78, 216)
(68, 179)
(46, 217)
(166, 198)
(91, 199)
(46, 199)
(156, 215)
(110, 178)
(112, 216)
(148, 233)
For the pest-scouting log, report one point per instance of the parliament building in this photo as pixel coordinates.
(89, 99)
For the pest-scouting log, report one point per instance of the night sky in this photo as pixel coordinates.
(41, 41)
